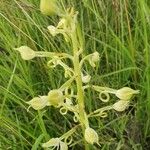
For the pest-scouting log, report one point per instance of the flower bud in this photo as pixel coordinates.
(48, 7)
(126, 93)
(39, 102)
(121, 105)
(91, 136)
(26, 52)
(52, 142)
(55, 97)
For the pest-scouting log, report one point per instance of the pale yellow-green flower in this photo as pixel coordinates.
(38, 103)
(26, 52)
(94, 59)
(48, 7)
(121, 105)
(55, 97)
(55, 143)
(126, 93)
(91, 136)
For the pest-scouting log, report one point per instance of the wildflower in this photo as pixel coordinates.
(55, 143)
(126, 93)
(91, 136)
(48, 7)
(121, 105)
(39, 102)
(94, 59)
(55, 97)
(26, 52)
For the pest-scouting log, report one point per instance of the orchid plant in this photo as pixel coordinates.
(67, 98)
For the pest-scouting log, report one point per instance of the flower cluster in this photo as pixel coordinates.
(66, 98)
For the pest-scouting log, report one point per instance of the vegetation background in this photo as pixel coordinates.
(118, 29)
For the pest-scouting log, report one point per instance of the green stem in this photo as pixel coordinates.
(80, 92)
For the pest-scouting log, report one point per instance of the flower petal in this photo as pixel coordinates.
(54, 142)
(39, 102)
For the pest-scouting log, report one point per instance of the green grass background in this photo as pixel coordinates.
(118, 29)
